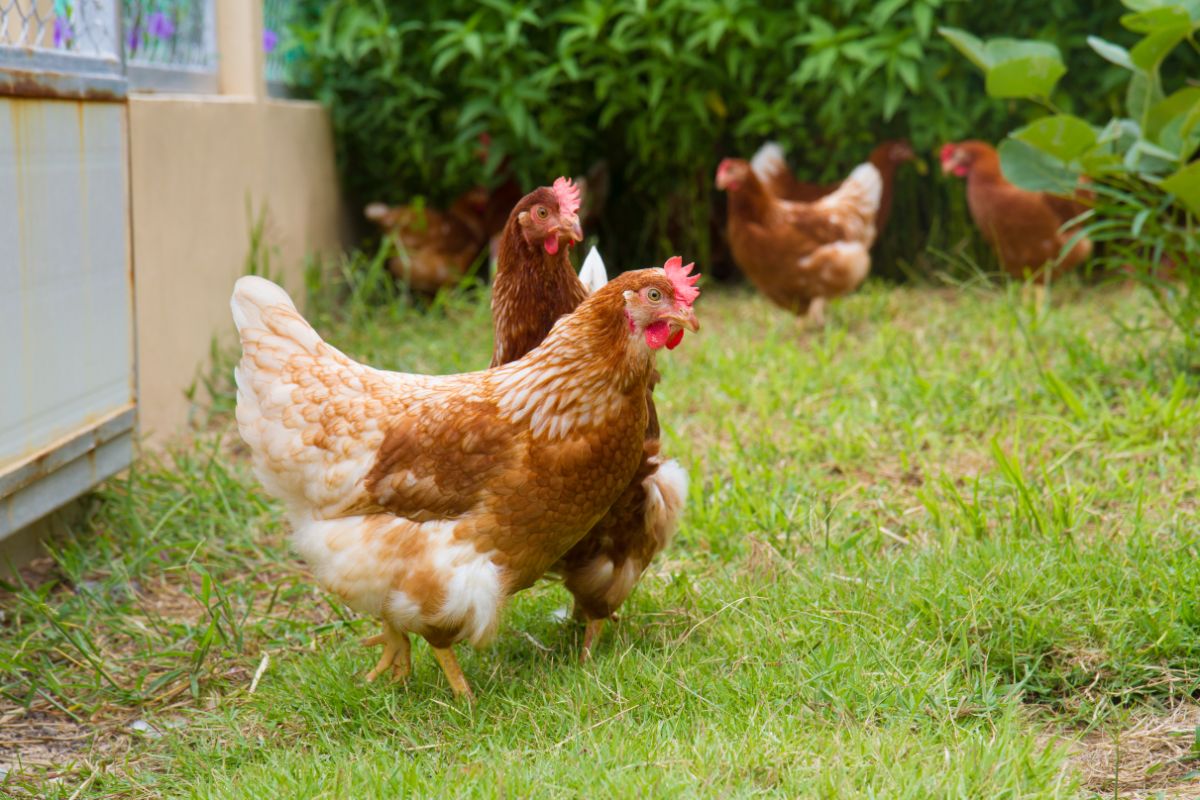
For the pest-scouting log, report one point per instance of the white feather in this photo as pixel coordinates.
(863, 189)
(768, 161)
(592, 274)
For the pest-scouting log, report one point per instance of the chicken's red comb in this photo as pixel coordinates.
(948, 151)
(567, 195)
(682, 281)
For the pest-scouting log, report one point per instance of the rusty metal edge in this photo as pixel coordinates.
(96, 87)
(74, 446)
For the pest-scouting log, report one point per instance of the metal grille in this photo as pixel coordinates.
(175, 34)
(278, 16)
(81, 27)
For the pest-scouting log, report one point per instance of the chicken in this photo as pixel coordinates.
(801, 254)
(535, 285)
(772, 169)
(427, 501)
(1027, 229)
(435, 248)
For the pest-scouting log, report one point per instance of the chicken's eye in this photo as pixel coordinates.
(541, 212)
(655, 295)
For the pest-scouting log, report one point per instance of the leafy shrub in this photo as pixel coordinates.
(1141, 163)
(661, 90)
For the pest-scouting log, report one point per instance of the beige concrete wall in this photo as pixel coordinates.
(195, 162)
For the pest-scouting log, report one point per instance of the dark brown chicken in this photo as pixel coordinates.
(772, 170)
(1025, 228)
(534, 286)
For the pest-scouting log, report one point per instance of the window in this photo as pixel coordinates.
(69, 47)
(170, 45)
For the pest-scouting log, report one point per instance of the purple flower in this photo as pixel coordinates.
(136, 38)
(63, 35)
(160, 26)
(270, 40)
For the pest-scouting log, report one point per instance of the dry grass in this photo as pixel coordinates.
(1152, 755)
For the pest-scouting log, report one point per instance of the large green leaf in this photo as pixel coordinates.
(1062, 136)
(1174, 123)
(1185, 184)
(1022, 69)
(1156, 18)
(1029, 168)
(1150, 51)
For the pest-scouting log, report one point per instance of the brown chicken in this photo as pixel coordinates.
(434, 248)
(772, 169)
(801, 254)
(427, 501)
(534, 286)
(1025, 228)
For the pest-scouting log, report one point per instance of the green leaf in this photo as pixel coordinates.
(1112, 52)
(1185, 184)
(923, 18)
(1156, 18)
(1173, 122)
(1143, 93)
(1031, 169)
(970, 46)
(1062, 136)
(1023, 69)
(1150, 51)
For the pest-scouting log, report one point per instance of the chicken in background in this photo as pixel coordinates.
(772, 169)
(1026, 229)
(533, 287)
(427, 501)
(434, 248)
(801, 255)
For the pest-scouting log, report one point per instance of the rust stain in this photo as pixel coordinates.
(43, 85)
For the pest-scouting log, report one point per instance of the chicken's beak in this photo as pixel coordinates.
(573, 231)
(685, 319)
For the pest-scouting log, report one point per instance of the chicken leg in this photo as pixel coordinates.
(454, 673)
(590, 634)
(397, 653)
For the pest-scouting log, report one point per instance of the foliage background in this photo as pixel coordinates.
(664, 90)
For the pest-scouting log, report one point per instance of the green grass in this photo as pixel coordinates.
(925, 550)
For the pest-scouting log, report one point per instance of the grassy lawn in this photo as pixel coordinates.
(944, 548)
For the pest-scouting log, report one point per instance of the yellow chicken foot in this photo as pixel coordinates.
(397, 653)
(454, 673)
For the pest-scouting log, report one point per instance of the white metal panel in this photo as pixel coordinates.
(66, 346)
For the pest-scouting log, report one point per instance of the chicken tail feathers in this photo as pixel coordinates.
(593, 274)
(863, 189)
(284, 378)
(768, 162)
(666, 491)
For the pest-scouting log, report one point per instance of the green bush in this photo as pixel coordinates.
(662, 90)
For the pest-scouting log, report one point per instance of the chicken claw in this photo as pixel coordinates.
(454, 673)
(397, 654)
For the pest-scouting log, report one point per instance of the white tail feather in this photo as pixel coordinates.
(863, 188)
(592, 274)
(768, 161)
